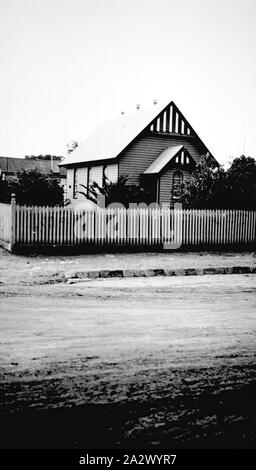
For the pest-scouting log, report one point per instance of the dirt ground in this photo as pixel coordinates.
(129, 363)
(24, 270)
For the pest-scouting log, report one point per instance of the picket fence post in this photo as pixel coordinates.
(13, 222)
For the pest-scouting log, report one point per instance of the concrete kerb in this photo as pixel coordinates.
(126, 273)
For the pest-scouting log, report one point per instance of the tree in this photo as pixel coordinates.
(241, 180)
(4, 191)
(43, 157)
(207, 187)
(214, 188)
(71, 146)
(32, 187)
(119, 192)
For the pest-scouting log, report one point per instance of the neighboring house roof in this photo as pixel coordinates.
(163, 159)
(112, 137)
(13, 165)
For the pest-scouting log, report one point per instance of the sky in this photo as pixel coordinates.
(66, 66)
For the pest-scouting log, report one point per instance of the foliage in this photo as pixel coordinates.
(214, 188)
(206, 188)
(241, 179)
(119, 191)
(32, 187)
(4, 191)
(71, 146)
(43, 157)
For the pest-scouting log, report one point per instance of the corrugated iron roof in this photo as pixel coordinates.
(112, 137)
(13, 165)
(163, 159)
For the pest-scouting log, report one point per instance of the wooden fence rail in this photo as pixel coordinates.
(63, 226)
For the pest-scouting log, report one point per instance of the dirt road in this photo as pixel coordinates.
(129, 363)
(39, 269)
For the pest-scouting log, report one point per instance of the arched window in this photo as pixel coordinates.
(176, 185)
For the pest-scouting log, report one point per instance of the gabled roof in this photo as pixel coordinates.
(163, 159)
(112, 137)
(13, 165)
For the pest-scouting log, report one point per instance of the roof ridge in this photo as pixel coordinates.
(100, 144)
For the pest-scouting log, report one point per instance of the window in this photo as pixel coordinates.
(176, 187)
(75, 183)
(95, 175)
(89, 177)
(111, 172)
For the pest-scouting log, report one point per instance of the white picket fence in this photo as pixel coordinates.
(64, 226)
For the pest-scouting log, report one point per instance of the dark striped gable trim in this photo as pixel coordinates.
(182, 158)
(169, 116)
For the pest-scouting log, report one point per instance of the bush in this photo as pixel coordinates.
(32, 187)
(214, 188)
(120, 192)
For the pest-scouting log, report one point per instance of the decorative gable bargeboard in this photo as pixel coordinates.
(157, 148)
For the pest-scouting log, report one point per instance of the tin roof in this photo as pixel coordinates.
(13, 165)
(112, 137)
(163, 159)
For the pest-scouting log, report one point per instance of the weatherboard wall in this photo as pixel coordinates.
(144, 151)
